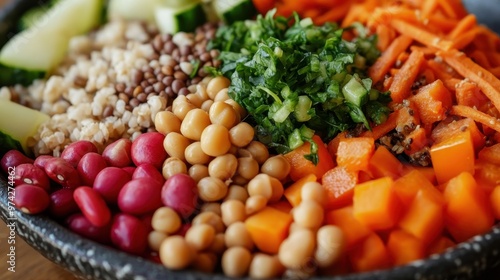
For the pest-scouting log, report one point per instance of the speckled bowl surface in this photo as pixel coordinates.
(479, 258)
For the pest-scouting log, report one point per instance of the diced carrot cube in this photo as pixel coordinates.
(371, 254)
(468, 211)
(376, 204)
(453, 156)
(355, 153)
(354, 231)
(383, 163)
(404, 247)
(268, 228)
(339, 184)
(293, 192)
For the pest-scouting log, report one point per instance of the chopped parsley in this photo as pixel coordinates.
(296, 79)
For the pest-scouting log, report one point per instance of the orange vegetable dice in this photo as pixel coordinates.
(355, 153)
(424, 218)
(428, 172)
(490, 154)
(339, 184)
(371, 254)
(404, 247)
(468, 211)
(453, 156)
(440, 245)
(384, 163)
(354, 231)
(293, 192)
(300, 166)
(487, 175)
(495, 201)
(445, 129)
(376, 204)
(408, 185)
(268, 228)
(432, 102)
(282, 205)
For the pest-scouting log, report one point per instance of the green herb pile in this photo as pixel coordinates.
(296, 79)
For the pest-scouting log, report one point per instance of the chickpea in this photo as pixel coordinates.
(241, 134)
(254, 204)
(166, 122)
(233, 150)
(258, 151)
(181, 106)
(219, 245)
(265, 266)
(215, 140)
(297, 249)
(276, 166)
(260, 185)
(201, 91)
(194, 123)
(236, 192)
(247, 167)
(242, 152)
(195, 99)
(232, 211)
(217, 84)
(210, 218)
(200, 236)
(239, 180)
(277, 188)
(223, 114)
(205, 106)
(237, 235)
(155, 238)
(313, 191)
(237, 107)
(308, 214)
(166, 220)
(211, 189)
(205, 262)
(175, 253)
(330, 246)
(223, 167)
(236, 261)
(175, 144)
(172, 166)
(222, 95)
(195, 155)
(211, 207)
(198, 172)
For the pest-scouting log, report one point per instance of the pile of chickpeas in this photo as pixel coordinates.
(235, 178)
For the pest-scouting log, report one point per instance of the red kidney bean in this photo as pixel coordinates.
(110, 181)
(129, 169)
(62, 172)
(118, 153)
(31, 199)
(40, 161)
(181, 194)
(92, 206)
(140, 196)
(129, 234)
(146, 221)
(62, 203)
(27, 173)
(12, 159)
(79, 224)
(148, 171)
(76, 150)
(148, 148)
(89, 166)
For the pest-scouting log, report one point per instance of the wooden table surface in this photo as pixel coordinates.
(30, 264)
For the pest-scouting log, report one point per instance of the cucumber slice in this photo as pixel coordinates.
(17, 125)
(40, 48)
(134, 9)
(30, 17)
(174, 19)
(355, 92)
(231, 11)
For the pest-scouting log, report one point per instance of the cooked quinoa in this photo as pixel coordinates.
(112, 83)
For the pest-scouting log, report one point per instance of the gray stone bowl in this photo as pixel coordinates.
(478, 258)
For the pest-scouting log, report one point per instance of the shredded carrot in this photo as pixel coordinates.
(463, 25)
(421, 35)
(478, 116)
(487, 82)
(400, 88)
(378, 70)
